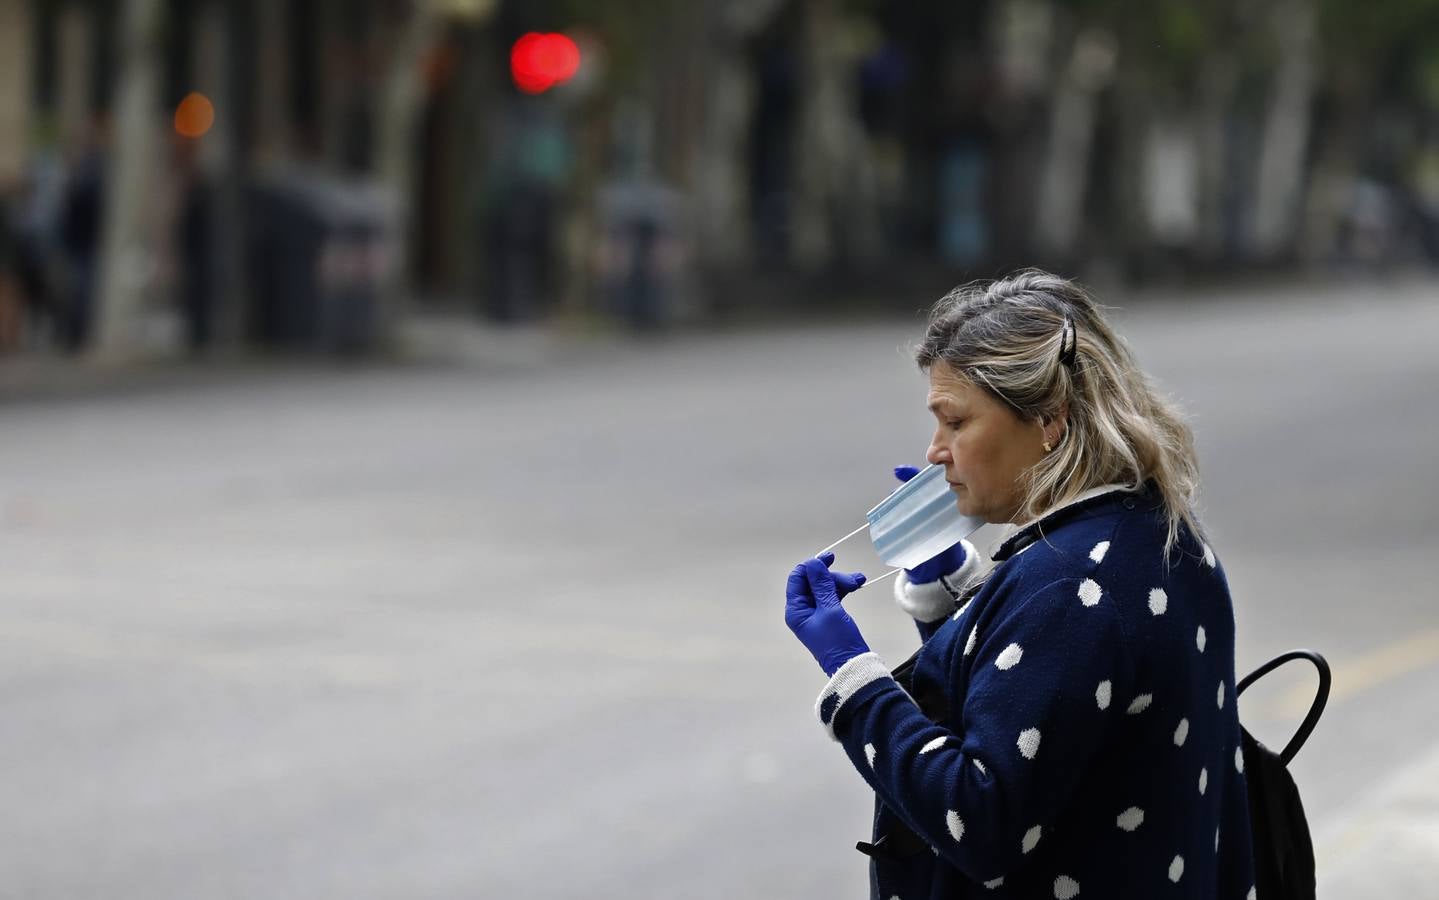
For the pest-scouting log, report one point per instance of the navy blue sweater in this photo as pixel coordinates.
(1079, 734)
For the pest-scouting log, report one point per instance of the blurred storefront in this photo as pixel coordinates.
(698, 155)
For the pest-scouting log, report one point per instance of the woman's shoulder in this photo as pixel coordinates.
(1118, 534)
(1071, 542)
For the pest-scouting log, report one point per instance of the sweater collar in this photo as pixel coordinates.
(1031, 531)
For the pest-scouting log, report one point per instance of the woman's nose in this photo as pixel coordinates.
(936, 454)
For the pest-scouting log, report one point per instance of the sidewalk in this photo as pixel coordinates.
(46, 376)
(424, 340)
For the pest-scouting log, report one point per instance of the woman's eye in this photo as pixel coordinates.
(954, 423)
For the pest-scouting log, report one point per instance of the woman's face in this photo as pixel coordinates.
(982, 444)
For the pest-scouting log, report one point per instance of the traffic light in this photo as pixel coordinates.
(538, 61)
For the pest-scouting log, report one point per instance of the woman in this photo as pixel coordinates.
(1069, 726)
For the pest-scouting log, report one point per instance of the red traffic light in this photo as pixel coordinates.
(538, 62)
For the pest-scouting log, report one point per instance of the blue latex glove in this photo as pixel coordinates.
(813, 612)
(945, 562)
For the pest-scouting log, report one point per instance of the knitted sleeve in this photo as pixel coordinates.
(1043, 683)
(930, 603)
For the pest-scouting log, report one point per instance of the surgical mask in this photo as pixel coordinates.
(917, 522)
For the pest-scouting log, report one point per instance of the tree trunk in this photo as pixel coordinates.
(1064, 177)
(16, 40)
(221, 166)
(123, 250)
(273, 81)
(75, 48)
(1218, 83)
(720, 168)
(400, 109)
(834, 208)
(1280, 180)
(1332, 176)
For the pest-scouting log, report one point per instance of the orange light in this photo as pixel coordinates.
(194, 116)
(538, 62)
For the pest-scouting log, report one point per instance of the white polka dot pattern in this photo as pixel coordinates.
(956, 825)
(1024, 679)
(1239, 759)
(1029, 742)
(1031, 839)
(1208, 556)
(1176, 869)
(1009, 657)
(1250, 895)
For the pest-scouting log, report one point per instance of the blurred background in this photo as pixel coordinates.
(411, 409)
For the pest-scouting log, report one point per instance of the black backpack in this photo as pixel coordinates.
(1283, 851)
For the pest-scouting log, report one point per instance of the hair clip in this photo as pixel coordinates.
(1068, 342)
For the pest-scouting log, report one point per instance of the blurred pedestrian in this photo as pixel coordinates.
(641, 250)
(519, 212)
(194, 242)
(1069, 724)
(81, 220)
(12, 318)
(35, 225)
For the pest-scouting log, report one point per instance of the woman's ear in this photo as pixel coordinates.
(1054, 426)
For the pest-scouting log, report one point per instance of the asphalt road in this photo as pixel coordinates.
(514, 629)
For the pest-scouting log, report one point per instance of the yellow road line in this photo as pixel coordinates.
(1357, 674)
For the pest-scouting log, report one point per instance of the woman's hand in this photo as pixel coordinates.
(944, 563)
(813, 612)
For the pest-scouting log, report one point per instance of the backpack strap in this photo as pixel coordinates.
(1316, 709)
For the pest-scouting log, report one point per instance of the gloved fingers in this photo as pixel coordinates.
(844, 582)
(905, 473)
(847, 582)
(796, 589)
(821, 582)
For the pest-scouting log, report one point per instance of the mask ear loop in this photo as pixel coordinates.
(847, 537)
(882, 577)
(843, 539)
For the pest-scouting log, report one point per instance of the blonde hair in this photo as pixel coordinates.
(1040, 344)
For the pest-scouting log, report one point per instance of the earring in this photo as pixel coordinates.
(1047, 448)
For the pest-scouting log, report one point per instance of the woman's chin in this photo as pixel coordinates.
(967, 507)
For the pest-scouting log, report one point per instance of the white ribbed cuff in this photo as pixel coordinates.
(933, 601)
(853, 675)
